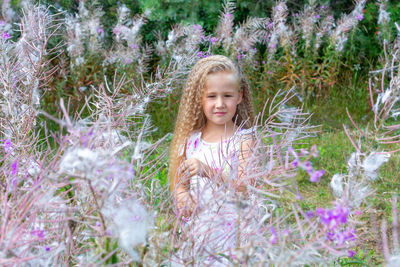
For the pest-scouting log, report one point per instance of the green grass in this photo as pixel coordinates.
(335, 148)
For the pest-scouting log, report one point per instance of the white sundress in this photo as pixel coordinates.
(213, 228)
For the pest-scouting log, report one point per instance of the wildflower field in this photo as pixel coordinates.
(89, 93)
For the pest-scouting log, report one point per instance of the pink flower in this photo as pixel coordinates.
(14, 168)
(197, 27)
(273, 237)
(6, 36)
(295, 163)
(351, 253)
(100, 30)
(360, 17)
(116, 30)
(314, 177)
(213, 40)
(39, 233)
(7, 145)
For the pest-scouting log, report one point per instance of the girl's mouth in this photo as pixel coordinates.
(220, 113)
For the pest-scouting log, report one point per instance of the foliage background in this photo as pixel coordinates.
(344, 81)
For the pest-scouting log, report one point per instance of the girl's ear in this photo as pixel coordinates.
(240, 97)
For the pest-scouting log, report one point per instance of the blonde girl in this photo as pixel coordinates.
(215, 106)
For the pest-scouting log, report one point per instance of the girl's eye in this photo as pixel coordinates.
(211, 96)
(228, 95)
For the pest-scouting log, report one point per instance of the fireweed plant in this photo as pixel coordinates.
(305, 44)
(80, 202)
(375, 144)
(88, 194)
(301, 52)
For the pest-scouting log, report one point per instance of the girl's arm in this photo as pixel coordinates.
(246, 148)
(184, 200)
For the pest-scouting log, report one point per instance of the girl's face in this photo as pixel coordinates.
(221, 97)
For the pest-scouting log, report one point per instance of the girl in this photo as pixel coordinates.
(215, 113)
(212, 141)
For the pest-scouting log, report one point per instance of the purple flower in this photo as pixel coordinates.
(308, 167)
(100, 30)
(286, 232)
(47, 248)
(196, 142)
(360, 17)
(269, 25)
(197, 27)
(351, 253)
(263, 62)
(317, 16)
(341, 237)
(334, 217)
(116, 30)
(39, 233)
(86, 138)
(310, 214)
(228, 15)
(303, 152)
(273, 237)
(320, 211)
(314, 177)
(213, 40)
(201, 54)
(269, 72)
(6, 36)
(7, 145)
(14, 168)
(134, 46)
(295, 163)
(341, 213)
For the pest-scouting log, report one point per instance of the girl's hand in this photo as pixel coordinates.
(194, 166)
(186, 204)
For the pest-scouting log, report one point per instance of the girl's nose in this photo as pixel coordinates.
(220, 102)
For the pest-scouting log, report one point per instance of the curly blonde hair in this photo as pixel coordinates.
(191, 116)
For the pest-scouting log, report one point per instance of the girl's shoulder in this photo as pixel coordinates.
(246, 133)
